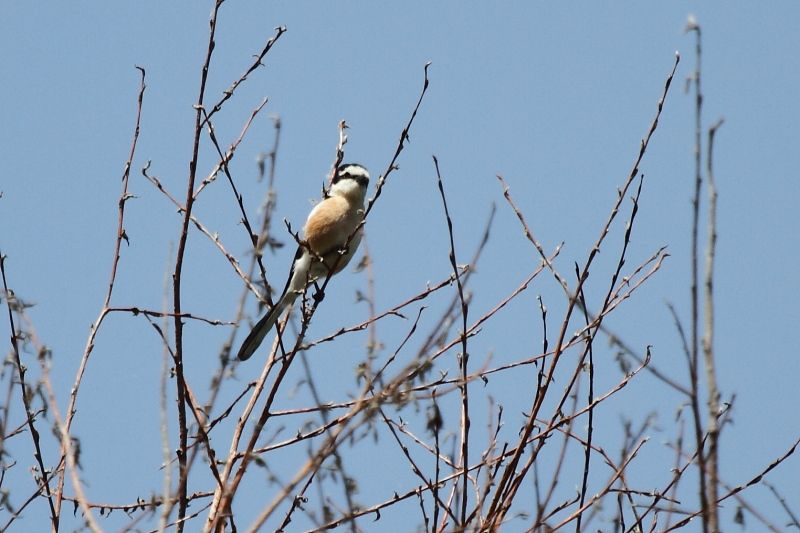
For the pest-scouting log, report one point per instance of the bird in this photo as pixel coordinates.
(325, 250)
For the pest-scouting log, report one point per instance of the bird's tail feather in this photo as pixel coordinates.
(263, 326)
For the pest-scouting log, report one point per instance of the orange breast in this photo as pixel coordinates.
(328, 227)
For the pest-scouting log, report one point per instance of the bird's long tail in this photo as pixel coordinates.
(263, 326)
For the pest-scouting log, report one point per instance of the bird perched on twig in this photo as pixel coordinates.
(332, 235)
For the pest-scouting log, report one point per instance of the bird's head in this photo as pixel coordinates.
(351, 180)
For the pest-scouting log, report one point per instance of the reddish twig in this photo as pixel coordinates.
(66, 440)
(177, 279)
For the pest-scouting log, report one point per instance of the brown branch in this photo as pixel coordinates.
(180, 381)
(140, 504)
(66, 440)
(404, 137)
(228, 93)
(135, 311)
(483, 463)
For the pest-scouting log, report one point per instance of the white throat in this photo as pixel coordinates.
(350, 190)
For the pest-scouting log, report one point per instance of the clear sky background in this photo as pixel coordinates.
(555, 98)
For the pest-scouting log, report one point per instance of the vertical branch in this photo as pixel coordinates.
(435, 426)
(26, 402)
(708, 338)
(465, 422)
(164, 422)
(692, 25)
(176, 278)
(264, 239)
(590, 402)
(539, 377)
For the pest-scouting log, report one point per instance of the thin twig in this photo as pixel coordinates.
(464, 359)
(66, 440)
(755, 481)
(709, 514)
(257, 62)
(590, 422)
(794, 520)
(506, 490)
(29, 415)
(180, 381)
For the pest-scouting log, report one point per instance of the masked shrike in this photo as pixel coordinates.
(329, 225)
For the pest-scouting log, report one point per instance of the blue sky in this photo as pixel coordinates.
(555, 98)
